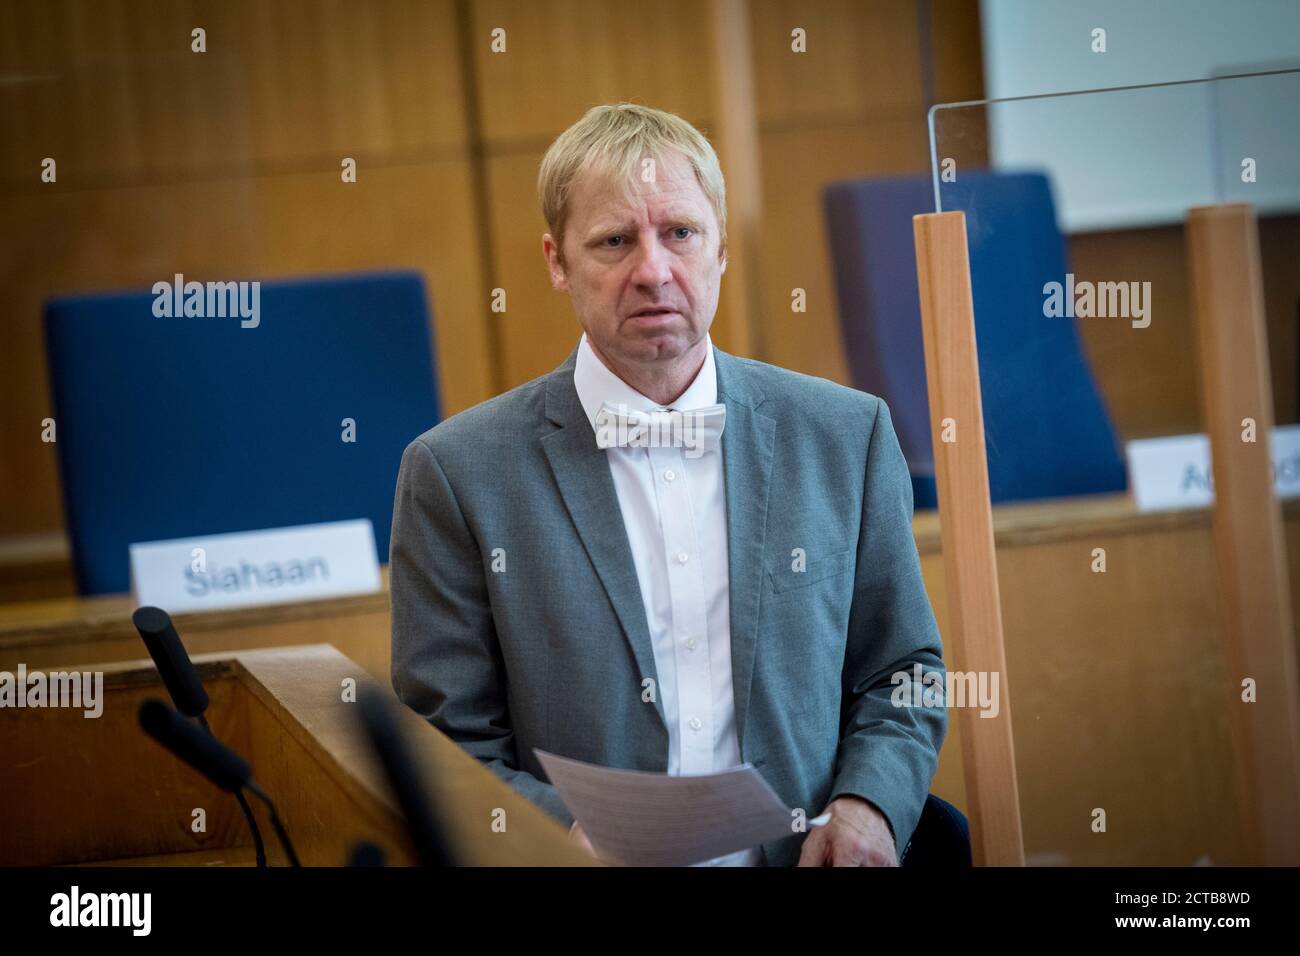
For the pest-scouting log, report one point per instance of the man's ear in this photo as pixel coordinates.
(554, 263)
(723, 256)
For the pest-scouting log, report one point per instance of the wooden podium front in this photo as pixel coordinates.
(97, 790)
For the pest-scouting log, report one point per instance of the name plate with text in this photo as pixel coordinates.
(273, 566)
(1175, 472)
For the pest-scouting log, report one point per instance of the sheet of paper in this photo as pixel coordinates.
(653, 819)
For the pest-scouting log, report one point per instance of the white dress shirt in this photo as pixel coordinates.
(675, 511)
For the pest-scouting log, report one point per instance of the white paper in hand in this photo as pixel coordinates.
(653, 819)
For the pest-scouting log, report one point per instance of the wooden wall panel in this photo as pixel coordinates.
(955, 52)
(563, 57)
(406, 216)
(227, 164)
(1148, 376)
(66, 242)
(340, 78)
(861, 59)
(853, 105)
(740, 302)
(797, 166)
(538, 328)
(115, 92)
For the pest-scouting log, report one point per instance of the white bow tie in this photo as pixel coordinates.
(697, 430)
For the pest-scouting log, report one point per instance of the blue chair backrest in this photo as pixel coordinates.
(1047, 433)
(173, 427)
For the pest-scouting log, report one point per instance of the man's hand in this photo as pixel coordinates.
(580, 838)
(858, 835)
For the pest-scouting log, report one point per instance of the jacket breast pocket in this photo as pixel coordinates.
(818, 569)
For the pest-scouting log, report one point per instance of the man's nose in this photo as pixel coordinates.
(652, 268)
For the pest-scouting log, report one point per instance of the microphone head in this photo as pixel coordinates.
(173, 663)
(379, 718)
(194, 746)
(366, 854)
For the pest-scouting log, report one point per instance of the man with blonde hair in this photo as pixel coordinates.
(660, 556)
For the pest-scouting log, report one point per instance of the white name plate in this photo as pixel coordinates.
(1174, 472)
(274, 566)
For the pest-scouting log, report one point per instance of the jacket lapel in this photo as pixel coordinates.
(582, 473)
(748, 440)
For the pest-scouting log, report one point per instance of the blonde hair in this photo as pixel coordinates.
(614, 140)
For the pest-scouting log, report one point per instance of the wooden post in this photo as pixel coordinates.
(1250, 550)
(969, 562)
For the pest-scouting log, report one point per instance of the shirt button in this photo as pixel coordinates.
(669, 474)
(695, 723)
(690, 642)
(682, 557)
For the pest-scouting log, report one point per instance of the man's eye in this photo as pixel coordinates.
(683, 229)
(613, 242)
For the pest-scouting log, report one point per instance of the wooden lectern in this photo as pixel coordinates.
(85, 790)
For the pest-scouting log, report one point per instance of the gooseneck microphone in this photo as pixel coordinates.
(159, 635)
(365, 854)
(202, 751)
(182, 681)
(210, 757)
(385, 735)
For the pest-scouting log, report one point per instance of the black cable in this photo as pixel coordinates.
(280, 831)
(258, 846)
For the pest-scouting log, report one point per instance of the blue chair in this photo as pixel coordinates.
(173, 427)
(1047, 432)
(941, 839)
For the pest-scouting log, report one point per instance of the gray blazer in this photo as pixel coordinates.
(550, 649)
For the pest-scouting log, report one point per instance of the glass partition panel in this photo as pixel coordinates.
(1075, 209)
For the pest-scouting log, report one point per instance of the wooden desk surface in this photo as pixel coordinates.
(104, 617)
(71, 630)
(107, 615)
(1060, 519)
